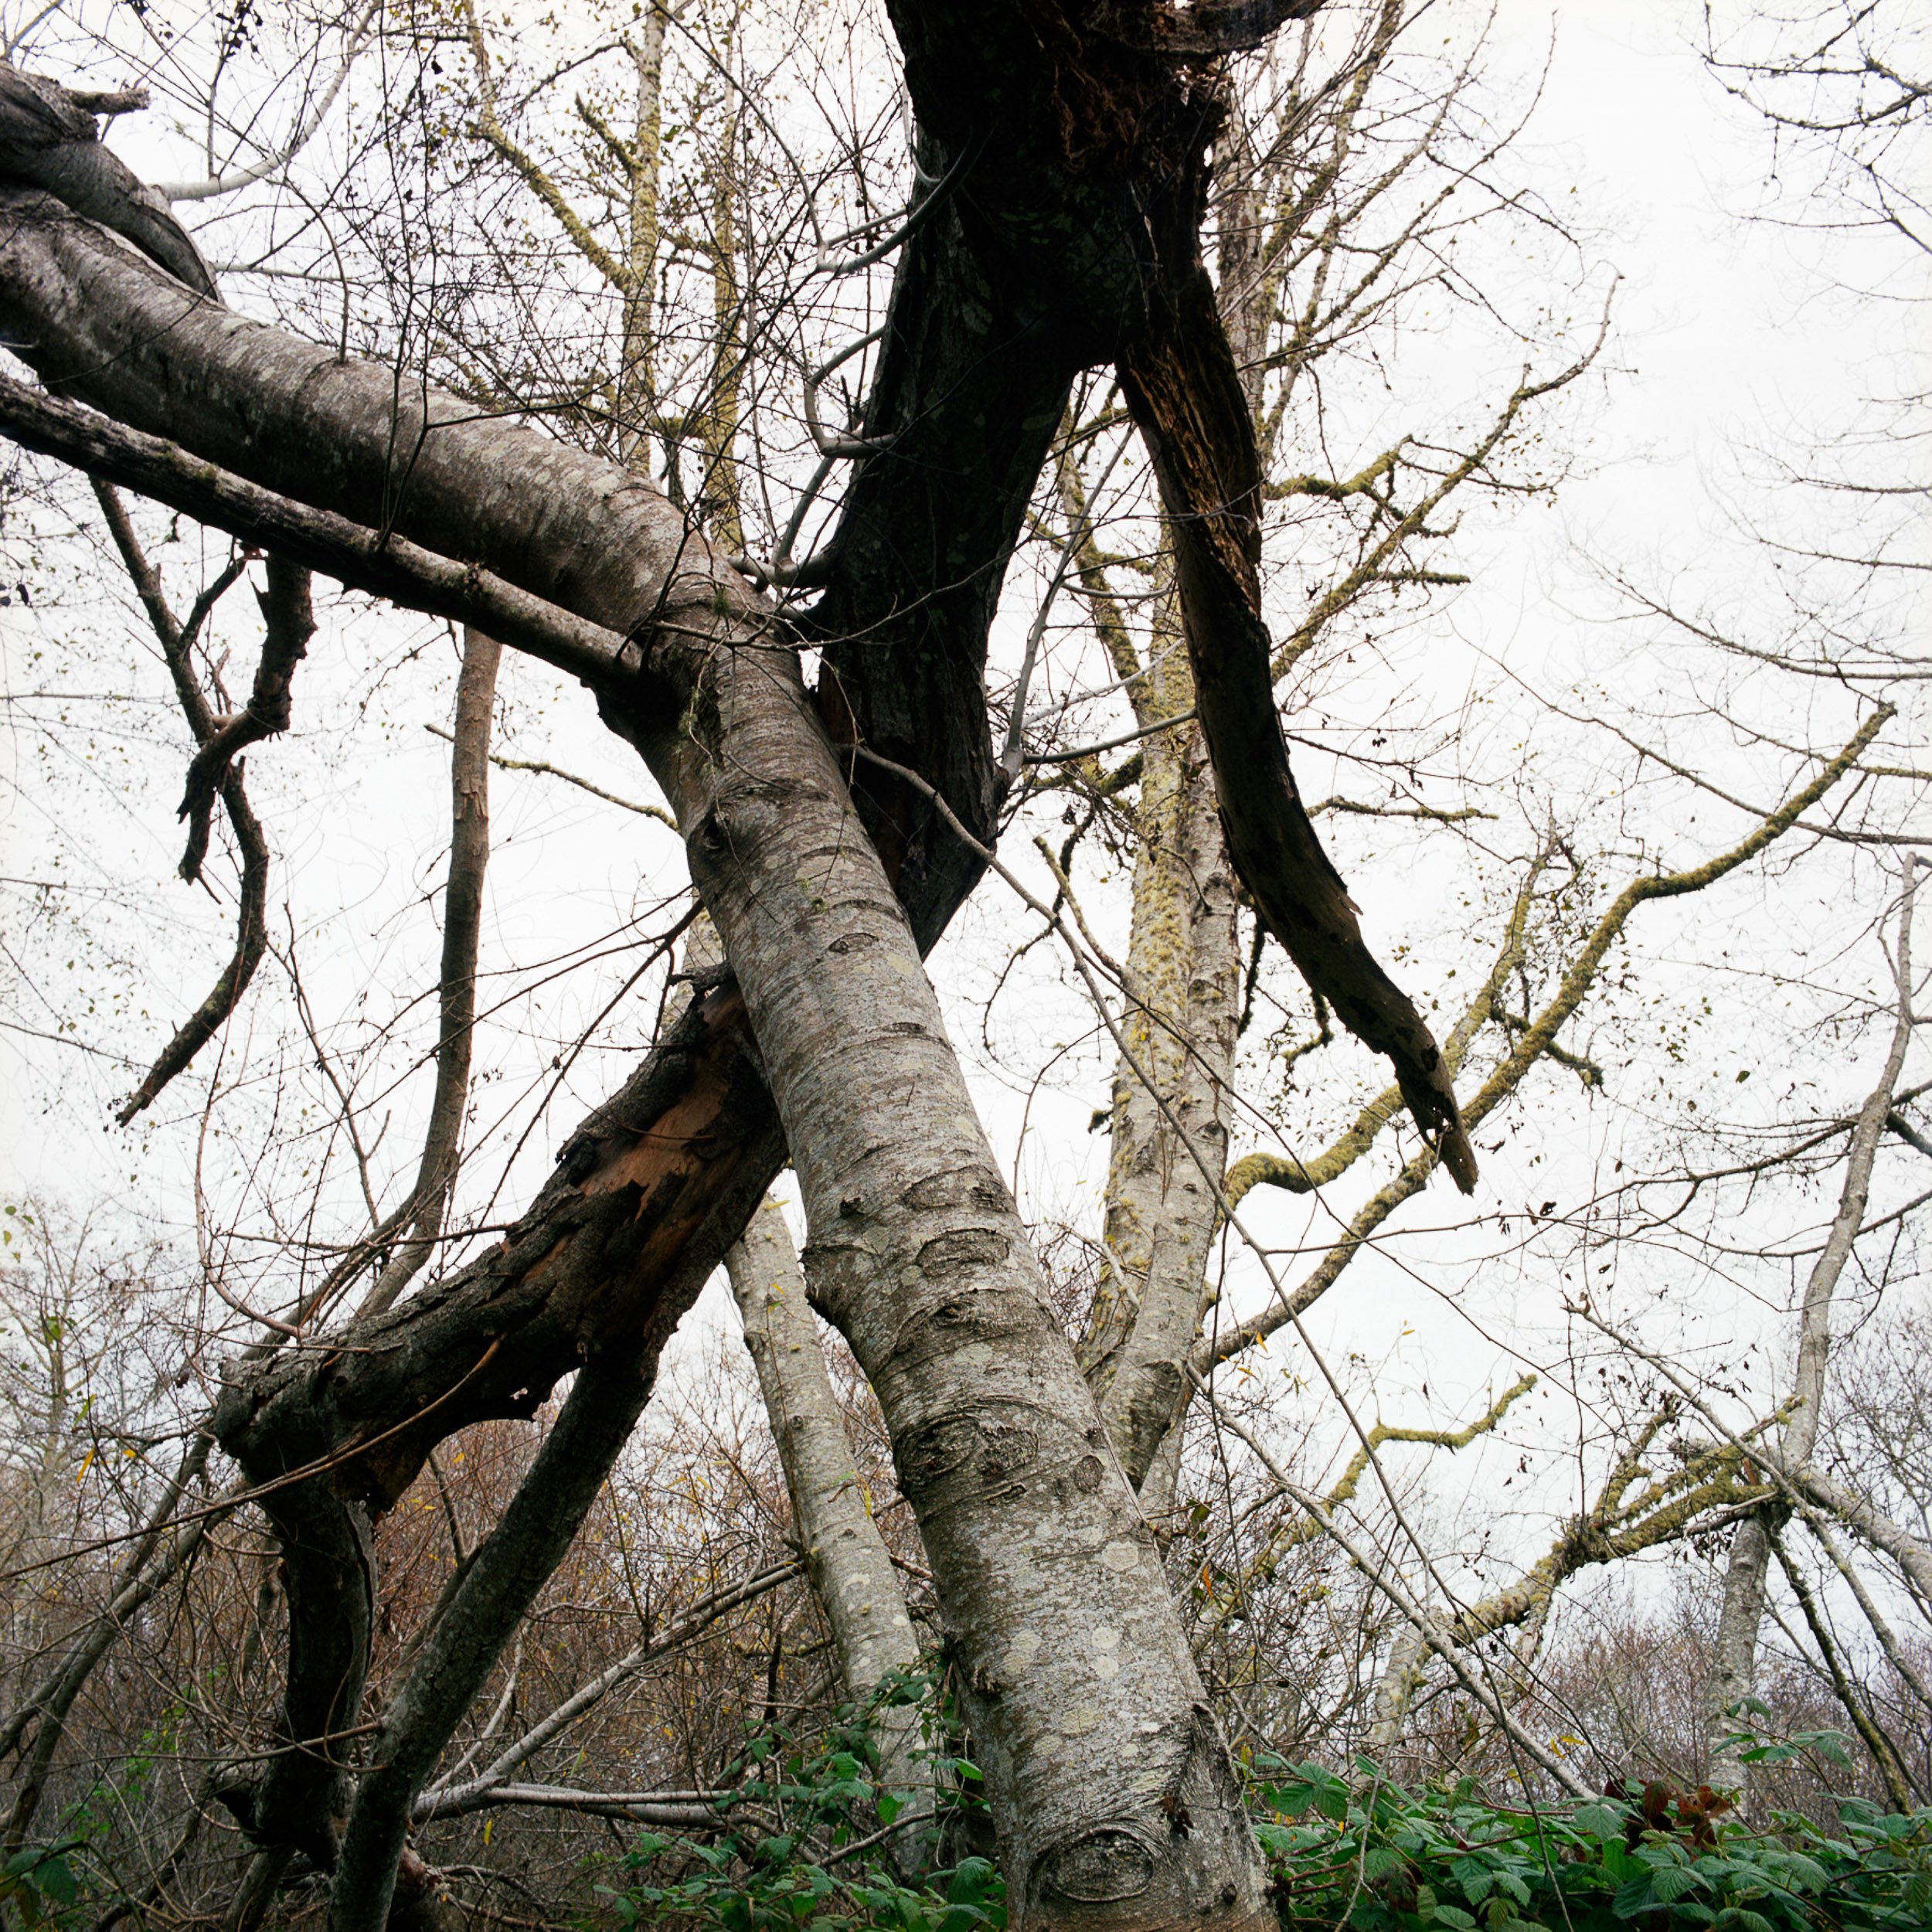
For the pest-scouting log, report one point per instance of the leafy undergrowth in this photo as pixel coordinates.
(1373, 1856)
(810, 1843)
(808, 1853)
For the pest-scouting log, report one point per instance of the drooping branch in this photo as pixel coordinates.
(251, 937)
(1179, 375)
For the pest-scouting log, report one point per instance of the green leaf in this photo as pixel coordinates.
(1600, 1821)
(1671, 1882)
(1477, 1880)
(1633, 1897)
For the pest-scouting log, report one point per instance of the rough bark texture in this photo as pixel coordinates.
(845, 1557)
(972, 385)
(1115, 1797)
(1087, 188)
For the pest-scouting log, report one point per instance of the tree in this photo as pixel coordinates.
(924, 1264)
(656, 301)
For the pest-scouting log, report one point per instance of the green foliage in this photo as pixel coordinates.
(806, 1845)
(1373, 1856)
(805, 1851)
(1749, 1747)
(38, 1883)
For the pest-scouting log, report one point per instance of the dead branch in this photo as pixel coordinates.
(456, 984)
(251, 937)
(289, 623)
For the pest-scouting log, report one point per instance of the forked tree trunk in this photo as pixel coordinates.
(845, 1557)
(1116, 1801)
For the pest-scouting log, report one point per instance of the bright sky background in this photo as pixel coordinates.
(1728, 335)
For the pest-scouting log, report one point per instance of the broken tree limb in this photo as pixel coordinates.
(251, 937)
(1179, 375)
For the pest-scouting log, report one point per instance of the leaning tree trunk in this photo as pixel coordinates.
(1115, 1797)
(1116, 1800)
(846, 1558)
(1734, 1667)
(1170, 1097)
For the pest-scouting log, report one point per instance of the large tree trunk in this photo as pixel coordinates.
(1117, 1802)
(1093, 1726)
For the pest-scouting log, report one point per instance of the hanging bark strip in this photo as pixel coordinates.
(1092, 126)
(1179, 378)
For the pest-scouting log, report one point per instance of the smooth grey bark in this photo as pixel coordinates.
(845, 1557)
(1117, 1803)
(1741, 1614)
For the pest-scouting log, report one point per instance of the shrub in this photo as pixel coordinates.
(1372, 1856)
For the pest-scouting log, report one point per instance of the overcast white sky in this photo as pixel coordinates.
(1727, 334)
